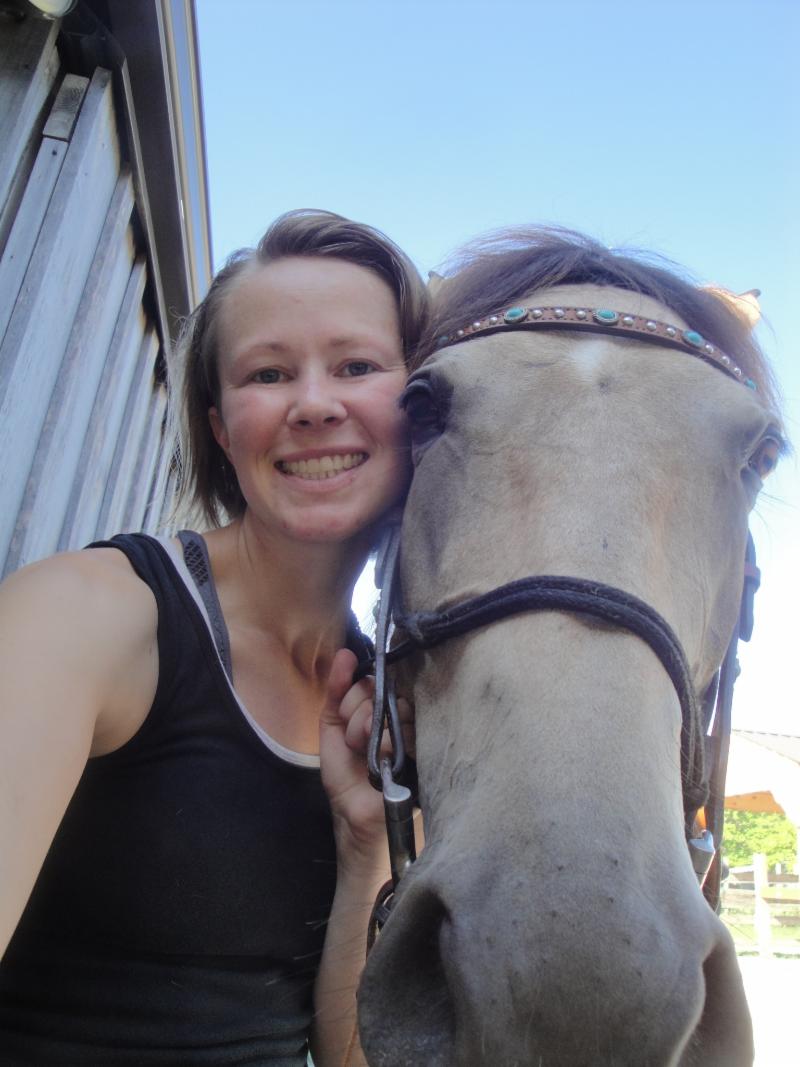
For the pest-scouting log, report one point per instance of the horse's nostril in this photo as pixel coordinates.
(413, 986)
(724, 1034)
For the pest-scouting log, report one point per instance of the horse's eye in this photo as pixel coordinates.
(425, 410)
(765, 458)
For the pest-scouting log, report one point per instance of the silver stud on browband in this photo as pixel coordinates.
(580, 314)
(537, 313)
(651, 325)
(559, 313)
(627, 320)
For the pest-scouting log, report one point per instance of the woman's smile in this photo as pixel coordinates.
(324, 467)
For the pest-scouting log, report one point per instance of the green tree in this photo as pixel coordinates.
(748, 832)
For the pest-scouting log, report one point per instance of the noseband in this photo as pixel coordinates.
(704, 754)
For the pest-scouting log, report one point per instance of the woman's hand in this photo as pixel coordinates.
(345, 725)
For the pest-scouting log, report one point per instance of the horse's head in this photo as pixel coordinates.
(554, 916)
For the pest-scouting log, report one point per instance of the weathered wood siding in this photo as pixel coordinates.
(82, 397)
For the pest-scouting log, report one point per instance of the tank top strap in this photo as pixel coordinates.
(192, 686)
(195, 555)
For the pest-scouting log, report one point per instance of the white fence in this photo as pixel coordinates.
(762, 909)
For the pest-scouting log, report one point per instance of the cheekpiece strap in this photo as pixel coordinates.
(601, 320)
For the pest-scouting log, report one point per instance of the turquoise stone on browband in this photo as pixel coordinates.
(601, 320)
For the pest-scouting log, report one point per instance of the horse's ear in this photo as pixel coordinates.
(435, 283)
(745, 305)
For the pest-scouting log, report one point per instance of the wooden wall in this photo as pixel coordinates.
(82, 395)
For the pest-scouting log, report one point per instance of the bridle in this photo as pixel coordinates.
(705, 720)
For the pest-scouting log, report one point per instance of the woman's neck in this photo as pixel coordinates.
(296, 592)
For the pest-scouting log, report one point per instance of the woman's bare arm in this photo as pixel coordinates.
(78, 662)
(362, 859)
(362, 866)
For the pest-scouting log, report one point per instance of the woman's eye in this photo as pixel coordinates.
(357, 368)
(765, 458)
(268, 376)
(424, 410)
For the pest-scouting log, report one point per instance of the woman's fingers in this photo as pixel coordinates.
(409, 742)
(356, 710)
(360, 721)
(355, 697)
(339, 687)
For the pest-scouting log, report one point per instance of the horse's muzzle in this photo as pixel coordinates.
(441, 993)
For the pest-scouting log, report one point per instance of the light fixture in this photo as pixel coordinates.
(53, 9)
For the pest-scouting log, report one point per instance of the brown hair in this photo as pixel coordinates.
(208, 482)
(495, 270)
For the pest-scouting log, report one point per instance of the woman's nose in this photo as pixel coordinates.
(316, 403)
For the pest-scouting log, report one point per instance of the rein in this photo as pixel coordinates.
(700, 749)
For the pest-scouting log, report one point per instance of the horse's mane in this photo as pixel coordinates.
(493, 271)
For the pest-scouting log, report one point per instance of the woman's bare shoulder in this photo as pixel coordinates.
(94, 622)
(98, 579)
(79, 663)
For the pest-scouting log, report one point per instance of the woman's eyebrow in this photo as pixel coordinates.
(264, 346)
(280, 348)
(349, 339)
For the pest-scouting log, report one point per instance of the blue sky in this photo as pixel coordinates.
(671, 126)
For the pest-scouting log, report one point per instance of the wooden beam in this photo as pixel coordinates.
(66, 106)
(125, 466)
(86, 500)
(158, 516)
(29, 66)
(40, 325)
(61, 442)
(35, 200)
(148, 464)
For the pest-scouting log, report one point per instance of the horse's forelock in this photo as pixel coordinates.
(493, 271)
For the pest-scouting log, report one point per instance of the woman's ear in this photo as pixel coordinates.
(219, 431)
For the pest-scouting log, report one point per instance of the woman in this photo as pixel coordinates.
(171, 697)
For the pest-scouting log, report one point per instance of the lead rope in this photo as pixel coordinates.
(384, 773)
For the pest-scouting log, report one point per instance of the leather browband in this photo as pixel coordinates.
(601, 320)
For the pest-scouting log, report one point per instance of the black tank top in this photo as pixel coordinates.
(179, 916)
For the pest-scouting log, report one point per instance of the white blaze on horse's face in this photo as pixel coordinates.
(554, 916)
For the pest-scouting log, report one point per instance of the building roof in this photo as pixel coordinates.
(762, 763)
(787, 745)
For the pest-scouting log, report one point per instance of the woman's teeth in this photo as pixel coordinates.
(323, 467)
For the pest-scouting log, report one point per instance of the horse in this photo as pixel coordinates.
(590, 431)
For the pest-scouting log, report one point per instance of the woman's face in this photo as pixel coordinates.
(310, 369)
